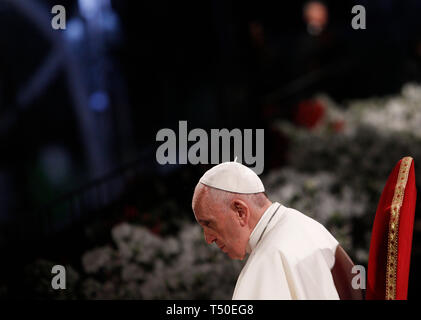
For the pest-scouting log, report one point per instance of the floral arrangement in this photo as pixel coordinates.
(141, 265)
(339, 158)
(338, 165)
(145, 266)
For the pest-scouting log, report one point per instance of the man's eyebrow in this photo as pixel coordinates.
(201, 221)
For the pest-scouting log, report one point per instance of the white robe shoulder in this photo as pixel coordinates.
(293, 260)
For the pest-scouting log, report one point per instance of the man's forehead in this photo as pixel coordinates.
(203, 211)
(204, 207)
(198, 196)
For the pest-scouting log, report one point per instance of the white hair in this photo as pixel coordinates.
(258, 200)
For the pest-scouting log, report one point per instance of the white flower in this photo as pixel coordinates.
(132, 271)
(131, 290)
(93, 260)
(154, 287)
(91, 288)
(171, 246)
(191, 233)
(412, 91)
(125, 251)
(121, 232)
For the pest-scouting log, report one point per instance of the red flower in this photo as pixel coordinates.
(269, 111)
(338, 125)
(309, 113)
(130, 212)
(156, 229)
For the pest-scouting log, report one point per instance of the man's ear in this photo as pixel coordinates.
(242, 211)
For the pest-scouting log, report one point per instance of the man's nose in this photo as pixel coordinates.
(209, 238)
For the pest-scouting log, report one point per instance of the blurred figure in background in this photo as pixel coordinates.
(316, 16)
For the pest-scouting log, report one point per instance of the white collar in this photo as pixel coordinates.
(261, 226)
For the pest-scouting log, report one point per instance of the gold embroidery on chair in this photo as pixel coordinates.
(392, 243)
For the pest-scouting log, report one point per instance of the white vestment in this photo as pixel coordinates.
(292, 260)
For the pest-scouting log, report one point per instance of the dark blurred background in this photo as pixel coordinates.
(80, 109)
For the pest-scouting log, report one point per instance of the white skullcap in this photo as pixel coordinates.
(233, 177)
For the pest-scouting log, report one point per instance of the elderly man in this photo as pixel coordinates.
(291, 256)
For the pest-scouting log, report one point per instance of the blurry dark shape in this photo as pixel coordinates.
(312, 57)
(39, 80)
(257, 34)
(413, 63)
(98, 98)
(270, 110)
(99, 101)
(309, 113)
(316, 16)
(277, 146)
(84, 52)
(319, 45)
(306, 83)
(50, 176)
(95, 132)
(56, 163)
(6, 196)
(79, 60)
(75, 29)
(130, 212)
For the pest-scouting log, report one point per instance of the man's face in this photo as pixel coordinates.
(316, 14)
(223, 225)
